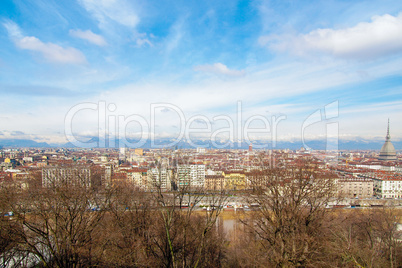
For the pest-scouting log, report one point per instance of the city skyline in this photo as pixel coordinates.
(259, 59)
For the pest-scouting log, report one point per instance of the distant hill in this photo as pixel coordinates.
(22, 143)
(359, 144)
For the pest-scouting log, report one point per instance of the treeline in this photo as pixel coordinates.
(68, 225)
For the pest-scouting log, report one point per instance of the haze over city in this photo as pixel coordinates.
(270, 59)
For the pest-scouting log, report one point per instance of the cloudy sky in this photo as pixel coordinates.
(85, 67)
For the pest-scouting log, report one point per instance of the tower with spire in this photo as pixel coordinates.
(387, 152)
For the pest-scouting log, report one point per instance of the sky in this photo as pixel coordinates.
(290, 70)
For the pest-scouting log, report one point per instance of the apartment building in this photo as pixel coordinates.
(388, 187)
(191, 175)
(355, 187)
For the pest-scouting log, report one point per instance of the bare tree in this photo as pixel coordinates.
(10, 229)
(59, 222)
(291, 204)
(126, 228)
(182, 236)
(365, 238)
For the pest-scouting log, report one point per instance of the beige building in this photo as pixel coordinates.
(138, 177)
(75, 175)
(214, 182)
(159, 178)
(355, 187)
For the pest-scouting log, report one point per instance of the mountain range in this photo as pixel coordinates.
(358, 144)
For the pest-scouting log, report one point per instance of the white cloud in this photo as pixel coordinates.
(382, 36)
(50, 51)
(219, 68)
(118, 11)
(52, 138)
(89, 36)
(13, 30)
(142, 39)
(176, 35)
(141, 42)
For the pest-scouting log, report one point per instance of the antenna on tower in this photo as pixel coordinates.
(388, 136)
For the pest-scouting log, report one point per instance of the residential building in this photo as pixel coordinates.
(159, 178)
(388, 187)
(355, 187)
(57, 176)
(191, 175)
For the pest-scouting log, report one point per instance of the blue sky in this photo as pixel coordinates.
(204, 59)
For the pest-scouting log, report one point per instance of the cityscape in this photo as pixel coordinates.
(257, 133)
(357, 174)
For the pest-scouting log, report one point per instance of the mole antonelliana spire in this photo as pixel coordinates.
(387, 151)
